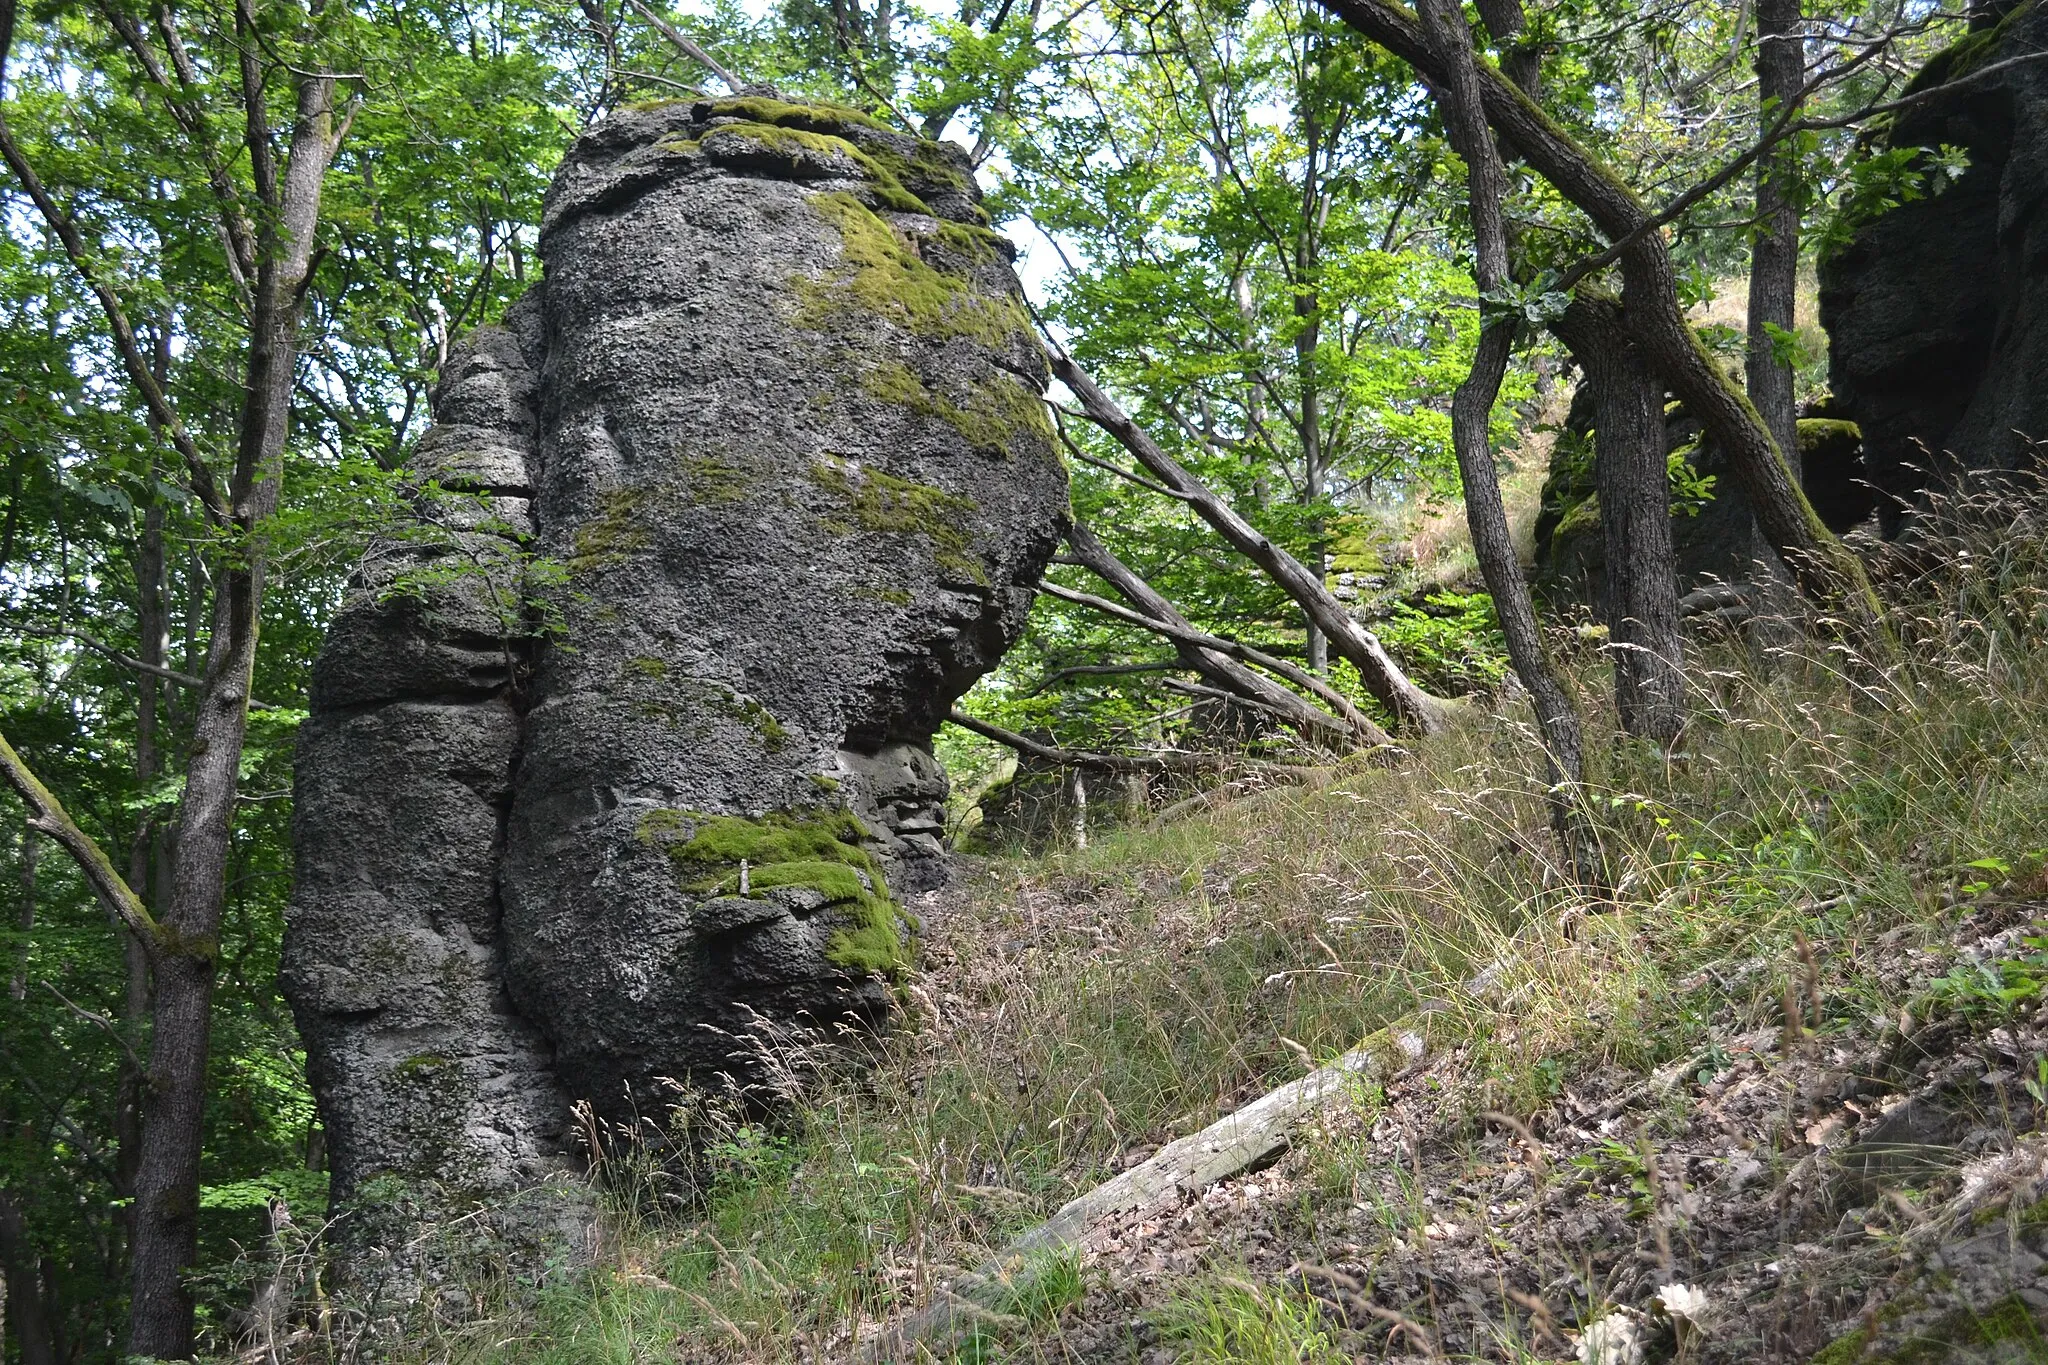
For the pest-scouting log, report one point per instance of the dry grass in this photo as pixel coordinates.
(1075, 1010)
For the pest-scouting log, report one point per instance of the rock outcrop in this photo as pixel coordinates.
(1937, 309)
(626, 739)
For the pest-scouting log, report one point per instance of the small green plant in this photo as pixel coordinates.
(1617, 1162)
(1451, 644)
(1232, 1322)
(2037, 1086)
(1990, 991)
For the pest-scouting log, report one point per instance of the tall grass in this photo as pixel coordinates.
(1076, 1009)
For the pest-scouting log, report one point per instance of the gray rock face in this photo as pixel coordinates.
(1937, 311)
(633, 738)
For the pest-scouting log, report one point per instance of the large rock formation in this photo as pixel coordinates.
(628, 734)
(1937, 310)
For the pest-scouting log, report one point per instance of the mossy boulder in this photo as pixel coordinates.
(782, 486)
(793, 450)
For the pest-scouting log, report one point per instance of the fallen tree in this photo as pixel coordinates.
(1413, 709)
(1180, 1170)
(1216, 658)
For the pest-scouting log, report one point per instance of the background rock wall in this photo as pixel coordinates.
(1937, 311)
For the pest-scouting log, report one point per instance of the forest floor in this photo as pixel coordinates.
(1775, 1092)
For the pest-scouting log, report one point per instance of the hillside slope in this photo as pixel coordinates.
(1775, 1096)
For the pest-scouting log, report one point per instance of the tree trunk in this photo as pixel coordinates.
(1412, 708)
(1520, 61)
(24, 1292)
(1641, 596)
(166, 1226)
(25, 917)
(1774, 263)
(1348, 727)
(1472, 419)
(1827, 571)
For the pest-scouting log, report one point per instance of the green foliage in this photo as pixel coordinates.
(1884, 179)
(1451, 644)
(1233, 1322)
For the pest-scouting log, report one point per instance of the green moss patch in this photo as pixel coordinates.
(612, 535)
(1966, 54)
(1815, 433)
(996, 411)
(820, 850)
(815, 117)
(876, 501)
(800, 155)
(883, 276)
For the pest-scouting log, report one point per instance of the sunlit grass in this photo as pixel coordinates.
(1077, 1007)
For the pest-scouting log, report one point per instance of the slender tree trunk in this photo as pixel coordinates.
(1774, 263)
(153, 648)
(1520, 61)
(1827, 571)
(1457, 94)
(1413, 708)
(33, 1330)
(1641, 597)
(167, 1180)
(25, 917)
(1308, 309)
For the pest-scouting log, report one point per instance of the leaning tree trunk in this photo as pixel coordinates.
(1774, 263)
(1345, 729)
(1472, 420)
(1828, 572)
(1413, 708)
(1641, 596)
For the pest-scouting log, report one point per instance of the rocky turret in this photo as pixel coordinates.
(1937, 309)
(628, 739)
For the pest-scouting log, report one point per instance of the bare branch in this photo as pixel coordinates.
(685, 46)
(1113, 763)
(108, 652)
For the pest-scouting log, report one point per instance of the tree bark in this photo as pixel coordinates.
(1774, 262)
(1348, 727)
(25, 918)
(1458, 96)
(23, 1295)
(165, 1232)
(1641, 594)
(1827, 571)
(1412, 708)
(1109, 763)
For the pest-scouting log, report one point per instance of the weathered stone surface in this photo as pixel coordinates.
(1937, 311)
(631, 736)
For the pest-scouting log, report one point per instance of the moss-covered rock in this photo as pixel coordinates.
(784, 485)
(883, 276)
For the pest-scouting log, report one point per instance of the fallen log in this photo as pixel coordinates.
(1244, 1140)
